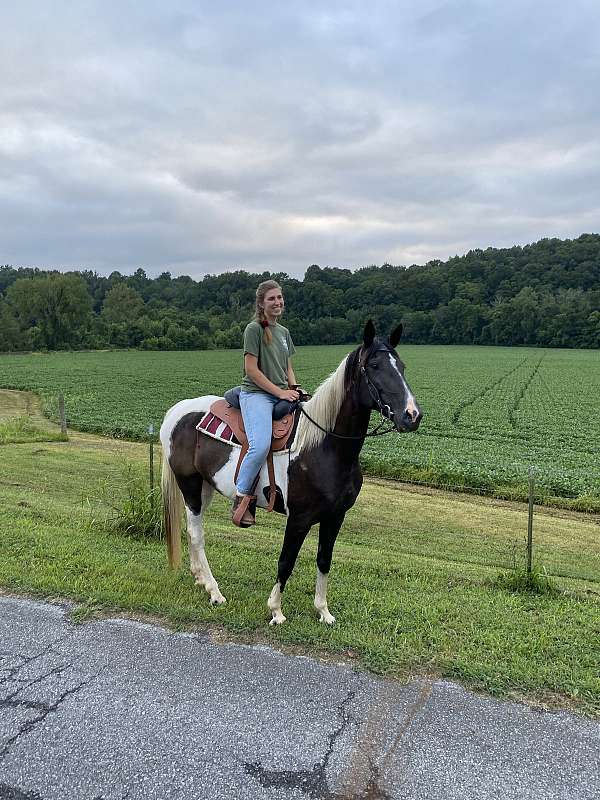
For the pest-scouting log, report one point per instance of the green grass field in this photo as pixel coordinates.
(419, 581)
(489, 412)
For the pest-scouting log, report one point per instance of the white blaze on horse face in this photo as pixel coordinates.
(321, 599)
(411, 403)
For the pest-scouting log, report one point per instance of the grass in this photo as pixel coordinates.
(16, 430)
(416, 583)
(489, 412)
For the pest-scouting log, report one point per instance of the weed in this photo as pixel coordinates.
(84, 612)
(15, 430)
(535, 582)
(135, 509)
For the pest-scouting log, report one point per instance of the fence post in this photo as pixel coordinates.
(62, 415)
(151, 432)
(530, 520)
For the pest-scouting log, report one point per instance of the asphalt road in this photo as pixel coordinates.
(115, 709)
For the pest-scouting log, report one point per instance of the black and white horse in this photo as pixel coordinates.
(319, 480)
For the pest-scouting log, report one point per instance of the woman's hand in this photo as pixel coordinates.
(291, 395)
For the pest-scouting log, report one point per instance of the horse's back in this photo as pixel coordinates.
(194, 405)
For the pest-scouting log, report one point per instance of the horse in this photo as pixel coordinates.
(319, 478)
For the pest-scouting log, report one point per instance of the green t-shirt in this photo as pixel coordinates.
(272, 358)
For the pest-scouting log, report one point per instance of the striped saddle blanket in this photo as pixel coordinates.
(215, 427)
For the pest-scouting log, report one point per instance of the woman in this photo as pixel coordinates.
(268, 378)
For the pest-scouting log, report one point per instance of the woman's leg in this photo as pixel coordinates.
(257, 413)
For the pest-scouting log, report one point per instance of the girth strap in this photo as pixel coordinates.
(272, 486)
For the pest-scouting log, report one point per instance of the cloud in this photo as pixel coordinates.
(201, 138)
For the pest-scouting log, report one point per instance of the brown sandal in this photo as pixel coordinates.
(243, 510)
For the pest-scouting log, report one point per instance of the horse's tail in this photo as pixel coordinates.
(172, 512)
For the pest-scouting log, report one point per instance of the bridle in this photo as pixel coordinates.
(384, 409)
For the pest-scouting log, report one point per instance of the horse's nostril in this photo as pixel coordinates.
(413, 415)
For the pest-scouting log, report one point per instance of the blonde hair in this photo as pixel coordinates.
(259, 312)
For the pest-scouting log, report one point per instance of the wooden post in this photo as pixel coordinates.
(151, 432)
(530, 520)
(62, 415)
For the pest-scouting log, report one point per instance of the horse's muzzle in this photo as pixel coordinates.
(408, 420)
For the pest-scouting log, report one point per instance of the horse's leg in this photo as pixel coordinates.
(198, 560)
(295, 534)
(328, 531)
(197, 495)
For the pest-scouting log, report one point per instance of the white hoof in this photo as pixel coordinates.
(278, 618)
(326, 617)
(217, 599)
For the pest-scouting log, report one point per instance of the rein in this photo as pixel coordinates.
(383, 408)
(374, 432)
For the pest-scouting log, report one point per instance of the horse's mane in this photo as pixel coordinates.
(325, 405)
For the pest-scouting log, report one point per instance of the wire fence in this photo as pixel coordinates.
(473, 526)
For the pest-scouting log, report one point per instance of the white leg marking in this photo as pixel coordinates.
(321, 599)
(198, 561)
(274, 603)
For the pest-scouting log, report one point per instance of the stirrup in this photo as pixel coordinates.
(242, 512)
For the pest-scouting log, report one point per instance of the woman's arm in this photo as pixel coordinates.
(261, 380)
(290, 375)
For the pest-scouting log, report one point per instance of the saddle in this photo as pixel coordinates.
(228, 411)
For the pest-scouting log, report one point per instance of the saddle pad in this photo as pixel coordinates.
(214, 427)
(217, 429)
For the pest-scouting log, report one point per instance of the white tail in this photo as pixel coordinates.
(172, 512)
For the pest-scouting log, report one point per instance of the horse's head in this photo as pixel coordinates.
(378, 374)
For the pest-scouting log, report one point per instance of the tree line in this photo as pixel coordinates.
(544, 294)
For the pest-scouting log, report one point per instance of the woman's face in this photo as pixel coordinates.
(273, 304)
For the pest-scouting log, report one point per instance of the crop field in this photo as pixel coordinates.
(490, 413)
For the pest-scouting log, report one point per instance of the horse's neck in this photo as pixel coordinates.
(351, 422)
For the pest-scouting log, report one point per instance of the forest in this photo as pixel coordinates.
(544, 294)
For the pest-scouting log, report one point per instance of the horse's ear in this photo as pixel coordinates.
(369, 333)
(395, 335)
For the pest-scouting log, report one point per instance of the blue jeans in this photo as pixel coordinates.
(257, 413)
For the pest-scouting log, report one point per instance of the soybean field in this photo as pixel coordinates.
(490, 413)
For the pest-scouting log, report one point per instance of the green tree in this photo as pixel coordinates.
(11, 335)
(58, 306)
(122, 304)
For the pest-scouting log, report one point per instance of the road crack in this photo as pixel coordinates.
(14, 793)
(313, 782)
(29, 725)
(11, 702)
(26, 660)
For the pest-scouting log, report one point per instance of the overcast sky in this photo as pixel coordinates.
(199, 137)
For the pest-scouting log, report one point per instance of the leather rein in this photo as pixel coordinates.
(386, 412)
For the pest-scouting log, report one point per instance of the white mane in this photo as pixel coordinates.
(323, 407)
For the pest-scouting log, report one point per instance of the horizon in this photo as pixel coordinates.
(299, 277)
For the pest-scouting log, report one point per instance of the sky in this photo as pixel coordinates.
(197, 137)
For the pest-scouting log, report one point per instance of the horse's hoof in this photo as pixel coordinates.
(218, 600)
(327, 618)
(278, 618)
